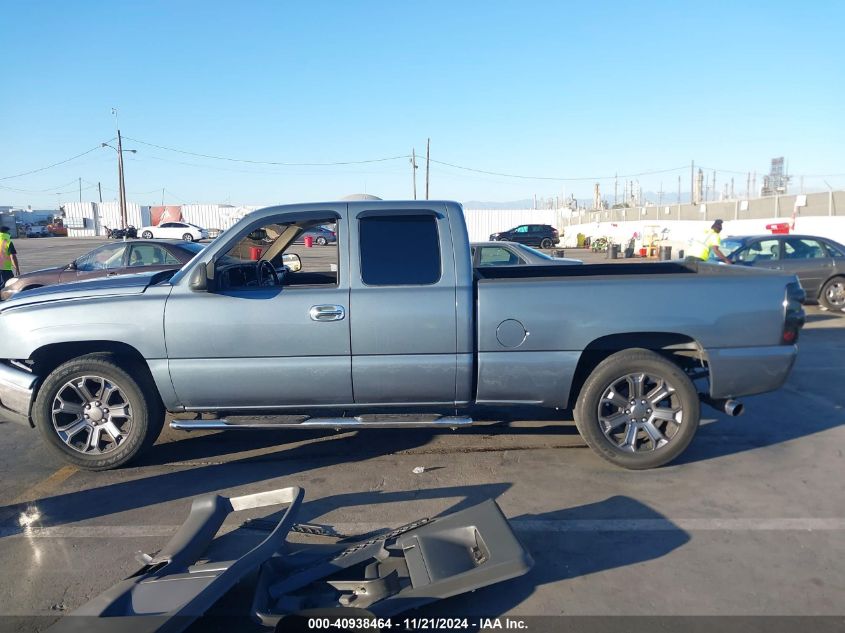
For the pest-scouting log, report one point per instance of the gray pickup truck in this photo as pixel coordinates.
(390, 327)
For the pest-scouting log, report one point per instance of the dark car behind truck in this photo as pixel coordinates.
(402, 328)
(540, 235)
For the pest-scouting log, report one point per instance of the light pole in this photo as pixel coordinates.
(121, 184)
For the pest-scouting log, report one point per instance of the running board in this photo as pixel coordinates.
(356, 422)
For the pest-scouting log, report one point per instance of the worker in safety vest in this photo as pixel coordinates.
(711, 245)
(9, 266)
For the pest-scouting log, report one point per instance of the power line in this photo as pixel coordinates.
(267, 162)
(585, 178)
(61, 162)
(46, 193)
(47, 190)
(134, 193)
(743, 173)
(247, 170)
(175, 196)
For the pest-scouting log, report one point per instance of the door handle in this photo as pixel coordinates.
(327, 313)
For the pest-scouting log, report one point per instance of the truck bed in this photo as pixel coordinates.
(534, 322)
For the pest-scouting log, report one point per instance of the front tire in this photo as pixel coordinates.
(188, 237)
(147, 235)
(832, 296)
(97, 416)
(637, 410)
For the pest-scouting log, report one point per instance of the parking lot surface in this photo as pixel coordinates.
(749, 521)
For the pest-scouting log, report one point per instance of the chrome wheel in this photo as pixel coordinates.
(640, 412)
(835, 294)
(92, 415)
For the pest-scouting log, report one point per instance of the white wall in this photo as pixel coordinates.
(482, 222)
(680, 232)
(214, 216)
(80, 211)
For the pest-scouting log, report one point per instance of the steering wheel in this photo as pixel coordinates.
(266, 270)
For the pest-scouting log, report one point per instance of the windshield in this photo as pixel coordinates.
(730, 245)
(192, 247)
(535, 252)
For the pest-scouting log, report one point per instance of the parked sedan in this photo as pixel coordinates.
(106, 261)
(818, 262)
(174, 230)
(321, 235)
(513, 254)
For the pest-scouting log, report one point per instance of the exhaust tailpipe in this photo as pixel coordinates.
(727, 406)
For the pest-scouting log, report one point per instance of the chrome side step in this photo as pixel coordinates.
(356, 422)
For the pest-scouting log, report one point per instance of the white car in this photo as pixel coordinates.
(174, 230)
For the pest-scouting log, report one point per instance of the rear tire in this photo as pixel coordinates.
(147, 235)
(188, 237)
(627, 420)
(545, 243)
(97, 416)
(321, 241)
(832, 295)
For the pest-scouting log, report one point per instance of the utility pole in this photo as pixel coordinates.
(121, 184)
(714, 185)
(100, 189)
(732, 187)
(748, 186)
(80, 189)
(162, 196)
(615, 187)
(414, 170)
(660, 195)
(679, 190)
(427, 164)
(692, 183)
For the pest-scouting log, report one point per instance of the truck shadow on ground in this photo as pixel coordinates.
(272, 469)
(730, 436)
(571, 543)
(209, 445)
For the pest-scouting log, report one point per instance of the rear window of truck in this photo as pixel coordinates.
(402, 250)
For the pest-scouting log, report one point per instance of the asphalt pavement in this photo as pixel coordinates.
(750, 521)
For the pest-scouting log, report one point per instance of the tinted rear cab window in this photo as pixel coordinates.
(399, 250)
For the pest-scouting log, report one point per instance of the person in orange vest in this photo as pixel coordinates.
(9, 267)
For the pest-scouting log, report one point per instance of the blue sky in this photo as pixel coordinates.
(551, 89)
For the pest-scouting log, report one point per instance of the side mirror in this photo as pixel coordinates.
(199, 278)
(292, 261)
(72, 265)
(258, 235)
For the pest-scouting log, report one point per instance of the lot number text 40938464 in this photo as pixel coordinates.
(417, 624)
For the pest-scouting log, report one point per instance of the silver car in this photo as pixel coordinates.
(513, 254)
